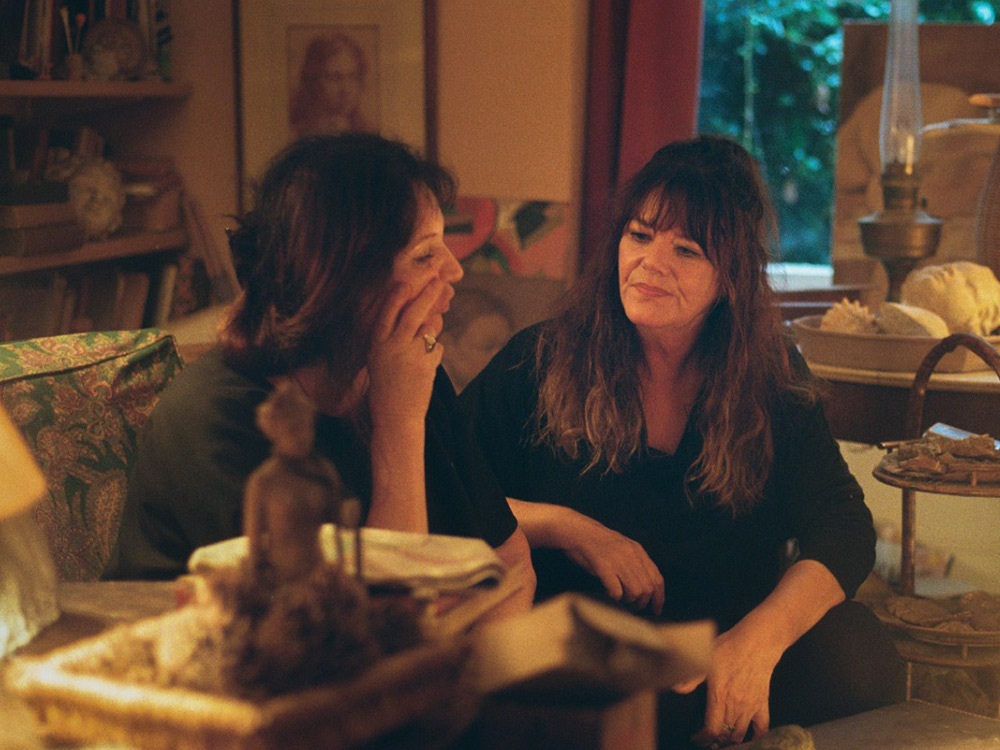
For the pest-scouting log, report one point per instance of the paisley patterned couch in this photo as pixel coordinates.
(80, 400)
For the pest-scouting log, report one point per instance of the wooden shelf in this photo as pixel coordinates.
(92, 252)
(52, 101)
(94, 90)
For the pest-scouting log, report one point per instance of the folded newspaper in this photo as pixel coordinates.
(392, 558)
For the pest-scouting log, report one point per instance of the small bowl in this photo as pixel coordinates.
(877, 351)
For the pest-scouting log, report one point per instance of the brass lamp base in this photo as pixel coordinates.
(901, 235)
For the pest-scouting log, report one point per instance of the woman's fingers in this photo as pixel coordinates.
(414, 315)
(404, 314)
(686, 687)
(634, 580)
(761, 721)
(621, 565)
(644, 587)
(393, 304)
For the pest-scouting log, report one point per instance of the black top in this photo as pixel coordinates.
(200, 444)
(713, 566)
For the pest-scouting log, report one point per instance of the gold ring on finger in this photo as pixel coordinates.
(429, 343)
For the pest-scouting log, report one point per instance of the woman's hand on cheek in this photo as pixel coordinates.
(400, 369)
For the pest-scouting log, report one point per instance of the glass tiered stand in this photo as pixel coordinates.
(924, 645)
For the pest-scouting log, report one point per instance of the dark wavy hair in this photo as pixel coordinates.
(315, 253)
(590, 355)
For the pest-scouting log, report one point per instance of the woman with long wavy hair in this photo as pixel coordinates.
(662, 444)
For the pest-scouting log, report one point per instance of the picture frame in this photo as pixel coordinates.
(309, 66)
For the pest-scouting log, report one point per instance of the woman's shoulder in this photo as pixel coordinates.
(207, 389)
(518, 354)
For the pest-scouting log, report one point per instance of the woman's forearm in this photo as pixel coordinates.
(544, 524)
(621, 564)
(516, 555)
(399, 497)
(806, 592)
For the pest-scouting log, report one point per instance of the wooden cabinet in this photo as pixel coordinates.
(32, 286)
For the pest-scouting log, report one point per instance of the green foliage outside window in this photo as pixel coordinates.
(771, 79)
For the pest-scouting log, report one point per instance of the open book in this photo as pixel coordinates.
(392, 558)
(572, 643)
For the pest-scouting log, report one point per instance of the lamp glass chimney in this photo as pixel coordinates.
(901, 120)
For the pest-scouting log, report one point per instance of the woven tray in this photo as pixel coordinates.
(978, 638)
(422, 691)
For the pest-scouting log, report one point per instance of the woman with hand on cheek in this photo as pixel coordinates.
(663, 443)
(345, 278)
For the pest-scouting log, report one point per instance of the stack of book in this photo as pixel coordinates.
(33, 228)
(152, 193)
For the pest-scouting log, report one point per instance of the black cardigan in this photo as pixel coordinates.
(713, 566)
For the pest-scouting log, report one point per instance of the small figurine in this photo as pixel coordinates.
(289, 496)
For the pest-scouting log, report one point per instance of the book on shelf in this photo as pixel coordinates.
(8, 152)
(67, 309)
(37, 240)
(19, 216)
(572, 642)
(165, 294)
(30, 305)
(108, 299)
(97, 296)
(164, 38)
(132, 294)
(145, 167)
(36, 36)
(51, 309)
(43, 191)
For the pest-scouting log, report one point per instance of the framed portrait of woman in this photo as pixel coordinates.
(329, 66)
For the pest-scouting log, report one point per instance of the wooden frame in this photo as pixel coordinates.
(366, 60)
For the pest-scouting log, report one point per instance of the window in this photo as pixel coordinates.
(770, 79)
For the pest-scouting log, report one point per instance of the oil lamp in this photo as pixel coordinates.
(901, 234)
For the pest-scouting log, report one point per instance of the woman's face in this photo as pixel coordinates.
(666, 281)
(341, 83)
(427, 258)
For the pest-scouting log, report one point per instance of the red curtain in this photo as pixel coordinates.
(644, 72)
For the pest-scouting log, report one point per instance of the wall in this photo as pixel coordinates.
(200, 132)
(511, 95)
(510, 101)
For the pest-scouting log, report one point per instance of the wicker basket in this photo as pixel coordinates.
(420, 696)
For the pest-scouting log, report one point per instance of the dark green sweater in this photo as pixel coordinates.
(200, 444)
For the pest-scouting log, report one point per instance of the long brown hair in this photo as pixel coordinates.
(315, 253)
(589, 356)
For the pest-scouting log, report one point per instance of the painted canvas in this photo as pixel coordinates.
(518, 258)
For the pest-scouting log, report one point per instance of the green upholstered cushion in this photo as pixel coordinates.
(79, 400)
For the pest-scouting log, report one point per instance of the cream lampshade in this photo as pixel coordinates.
(27, 573)
(23, 483)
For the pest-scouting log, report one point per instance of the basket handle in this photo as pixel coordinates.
(915, 405)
